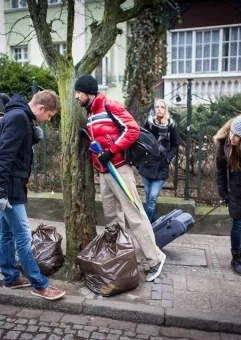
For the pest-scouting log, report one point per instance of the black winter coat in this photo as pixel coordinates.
(228, 181)
(16, 135)
(167, 137)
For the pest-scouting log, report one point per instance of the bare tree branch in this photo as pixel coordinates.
(11, 30)
(131, 13)
(99, 44)
(38, 13)
(70, 28)
(26, 38)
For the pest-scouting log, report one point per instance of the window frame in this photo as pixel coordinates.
(21, 47)
(19, 4)
(105, 66)
(61, 47)
(194, 31)
(59, 2)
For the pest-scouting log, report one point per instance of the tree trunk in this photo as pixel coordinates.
(77, 175)
(144, 52)
(77, 170)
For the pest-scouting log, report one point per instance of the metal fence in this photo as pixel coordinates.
(178, 177)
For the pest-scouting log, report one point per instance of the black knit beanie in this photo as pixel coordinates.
(87, 84)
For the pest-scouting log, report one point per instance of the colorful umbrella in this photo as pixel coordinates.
(96, 148)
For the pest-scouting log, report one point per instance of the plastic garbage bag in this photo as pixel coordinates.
(46, 246)
(109, 262)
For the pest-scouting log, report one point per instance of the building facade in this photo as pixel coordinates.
(206, 47)
(19, 40)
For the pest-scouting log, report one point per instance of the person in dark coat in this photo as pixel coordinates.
(228, 167)
(4, 99)
(155, 172)
(17, 135)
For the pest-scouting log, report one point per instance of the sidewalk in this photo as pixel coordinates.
(197, 289)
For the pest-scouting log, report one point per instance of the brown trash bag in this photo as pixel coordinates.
(46, 246)
(109, 262)
(46, 242)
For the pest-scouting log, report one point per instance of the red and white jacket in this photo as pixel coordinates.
(103, 130)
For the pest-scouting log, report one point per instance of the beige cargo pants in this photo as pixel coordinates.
(117, 206)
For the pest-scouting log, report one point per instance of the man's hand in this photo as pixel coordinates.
(225, 201)
(105, 157)
(37, 135)
(4, 204)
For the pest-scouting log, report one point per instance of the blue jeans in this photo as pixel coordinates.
(152, 190)
(15, 230)
(236, 236)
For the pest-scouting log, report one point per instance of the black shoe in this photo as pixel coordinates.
(236, 265)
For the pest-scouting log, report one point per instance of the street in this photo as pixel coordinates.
(19, 323)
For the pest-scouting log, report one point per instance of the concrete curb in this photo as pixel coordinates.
(215, 322)
(217, 223)
(124, 311)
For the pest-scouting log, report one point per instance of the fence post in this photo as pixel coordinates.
(44, 152)
(178, 121)
(200, 155)
(188, 137)
(35, 158)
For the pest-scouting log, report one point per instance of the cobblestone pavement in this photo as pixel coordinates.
(24, 324)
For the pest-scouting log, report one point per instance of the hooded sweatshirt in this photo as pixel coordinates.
(16, 134)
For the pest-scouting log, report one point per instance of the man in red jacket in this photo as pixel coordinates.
(114, 141)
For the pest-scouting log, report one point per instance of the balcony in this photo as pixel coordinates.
(205, 87)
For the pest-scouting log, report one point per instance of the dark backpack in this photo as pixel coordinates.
(143, 150)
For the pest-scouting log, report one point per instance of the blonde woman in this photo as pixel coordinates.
(228, 166)
(155, 172)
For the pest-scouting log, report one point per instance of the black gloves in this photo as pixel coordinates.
(106, 157)
(225, 201)
(37, 135)
(83, 134)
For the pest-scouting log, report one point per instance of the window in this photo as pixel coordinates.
(181, 52)
(101, 72)
(130, 27)
(19, 3)
(207, 50)
(212, 50)
(61, 47)
(20, 54)
(23, 3)
(231, 54)
(56, 1)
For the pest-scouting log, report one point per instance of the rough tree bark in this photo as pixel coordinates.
(146, 56)
(77, 171)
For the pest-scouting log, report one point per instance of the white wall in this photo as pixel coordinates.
(2, 29)
(59, 36)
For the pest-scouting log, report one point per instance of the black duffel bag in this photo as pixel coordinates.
(143, 150)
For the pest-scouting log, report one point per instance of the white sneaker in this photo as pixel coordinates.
(155, 271)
